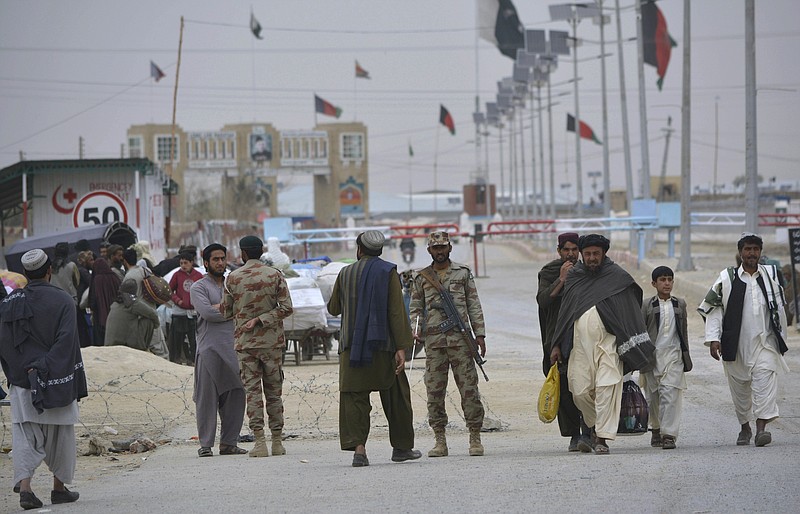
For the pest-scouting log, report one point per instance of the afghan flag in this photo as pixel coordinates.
(499, 24)
(446, 120)
(586, 130)
(657, 41)
(361, 73)
(156, 72)
(326, 108)
(255, 27)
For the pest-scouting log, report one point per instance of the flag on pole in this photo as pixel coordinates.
(410, 150)
(446, 120)
(361, 73)
(156, 72)
(586, 130)
(499, 24)
(326, 108)
(255, 27)
(657, 41)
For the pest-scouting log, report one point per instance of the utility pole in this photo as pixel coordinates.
(669, 130)
(80, 147)
(685, 261)
(716, 143)
(750, 139)
(626, 145)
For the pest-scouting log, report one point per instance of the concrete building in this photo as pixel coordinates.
(239, 171)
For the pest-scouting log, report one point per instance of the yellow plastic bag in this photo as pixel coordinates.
(549, 395)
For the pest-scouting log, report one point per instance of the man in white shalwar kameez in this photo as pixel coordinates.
(746, 325)
(600, 311)
(665, 317)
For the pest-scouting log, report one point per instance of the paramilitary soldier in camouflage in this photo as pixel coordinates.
(448, 349)
(257, 298)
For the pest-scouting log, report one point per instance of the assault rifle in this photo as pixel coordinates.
(454, 321)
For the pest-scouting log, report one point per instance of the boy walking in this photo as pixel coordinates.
(665, 317)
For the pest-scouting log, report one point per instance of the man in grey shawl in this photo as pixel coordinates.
(40, 354)
(217, 386)
(600, 317)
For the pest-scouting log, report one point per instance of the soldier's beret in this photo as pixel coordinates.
(251, 242)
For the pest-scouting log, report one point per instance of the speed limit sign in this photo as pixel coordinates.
(99, 208)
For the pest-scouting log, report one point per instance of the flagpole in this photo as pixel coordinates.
(645, 177)
(355, 95)
(578, 171)
(410, 204)
(253, 68)
(172, 145)
(435, 177)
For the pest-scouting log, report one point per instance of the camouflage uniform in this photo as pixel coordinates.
(449, 350)
(258, 290)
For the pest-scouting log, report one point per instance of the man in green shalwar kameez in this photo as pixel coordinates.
(374, 336)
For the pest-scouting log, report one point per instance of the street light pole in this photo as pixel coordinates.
(751, 133)
(606, 165)
(578, 171)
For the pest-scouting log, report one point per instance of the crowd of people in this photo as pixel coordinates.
(595, 326)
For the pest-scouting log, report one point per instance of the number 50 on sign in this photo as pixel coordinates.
(99, 208)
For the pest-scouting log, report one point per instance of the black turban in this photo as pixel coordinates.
(594, 240)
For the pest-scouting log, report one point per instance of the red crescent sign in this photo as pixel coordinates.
(57, 207)
(99, 207)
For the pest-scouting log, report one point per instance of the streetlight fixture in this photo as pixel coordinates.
(547, 62)
(574, 13)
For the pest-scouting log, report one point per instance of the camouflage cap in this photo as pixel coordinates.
(438, 238)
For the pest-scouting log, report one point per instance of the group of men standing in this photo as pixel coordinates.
(592, 312)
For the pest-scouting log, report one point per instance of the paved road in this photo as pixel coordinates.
(526, 467)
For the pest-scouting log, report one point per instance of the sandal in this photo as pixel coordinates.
(205, 451)
(600, 448)
(231, 450)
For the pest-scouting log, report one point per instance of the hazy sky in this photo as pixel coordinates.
(84, 66)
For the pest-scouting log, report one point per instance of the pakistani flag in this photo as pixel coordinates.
(499, 24)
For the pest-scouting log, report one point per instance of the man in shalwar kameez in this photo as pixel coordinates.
(600, 310)
(746, 326)
(40, 354)
(375, 334)
(218, 387)
(665, 317)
